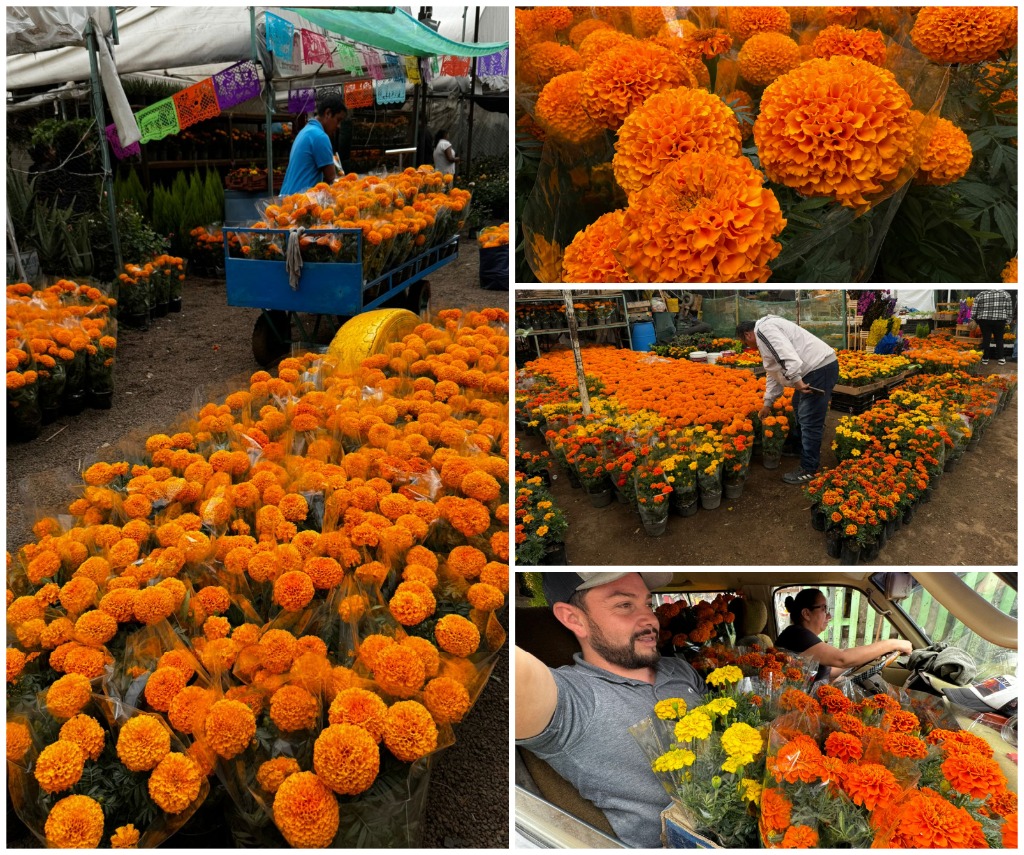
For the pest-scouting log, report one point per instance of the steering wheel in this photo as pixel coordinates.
(868, 669)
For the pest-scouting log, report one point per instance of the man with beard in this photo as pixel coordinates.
(577, 717)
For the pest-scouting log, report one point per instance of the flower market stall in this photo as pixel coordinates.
(656, 144)
(284, 604)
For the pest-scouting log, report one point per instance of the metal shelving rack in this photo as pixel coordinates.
(621, 326)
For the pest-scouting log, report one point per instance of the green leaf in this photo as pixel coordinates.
(1006, 222)
(978, 140)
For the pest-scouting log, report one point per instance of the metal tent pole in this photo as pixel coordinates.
(269, 102)
(472, 99)
(97, 109)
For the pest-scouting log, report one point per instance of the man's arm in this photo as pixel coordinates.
(330, 173)
(536, 694)
(772, 339)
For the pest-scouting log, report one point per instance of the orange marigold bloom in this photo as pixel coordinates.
(600, 42)
(955, 740)
(273, 773)
(175, 783)
(151, 605)
(95, 628)
(76, 596)
(346, 758)
(904, 745)
(484, 597)
(125, 837)
(294, 507)
(947, 154)
(59, 766)
(584, 28)
(142, 743)
(767, 56)
(399, 671)
(467, 561)
(775, 810)
(412, 603)
(15, 663)
(858, 135)
(746, 21)
(871, 785)
(19, 740)
(496, 574)
(850, 723)
(447, 700)
(306, 811)
(1009, 831)
(214, 599)
(666, 125)
(590, 257)
(230, 725)
(901, 721)
(961, 34)
(480, 486)
(705, 218)
(427, 653)
(324, 572)
(799, 837)
(925, 820)
(456, 635)
(188, 708)
(75, 822)
(1002, 804)
(161, 687)
(624, 77)
(1009, 273)
(409, 731)
(845, 746)
(68, 695)
(293, 590)
(838, 40)
(546, 60)
(560, 112)
(294, 708)
(86, 661)
(360, 708)
(973, 775)
(799, 760)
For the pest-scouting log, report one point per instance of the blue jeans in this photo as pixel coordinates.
(810, 410)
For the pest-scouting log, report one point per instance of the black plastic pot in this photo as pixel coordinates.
(101, 400)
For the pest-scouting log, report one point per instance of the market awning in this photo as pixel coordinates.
(396, 31)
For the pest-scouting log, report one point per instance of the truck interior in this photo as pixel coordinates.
(975, 611)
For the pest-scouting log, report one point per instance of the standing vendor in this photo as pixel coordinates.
(444, 154)
(312, 157)
(794, 357)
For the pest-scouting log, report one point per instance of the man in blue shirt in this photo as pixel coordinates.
(312, 157)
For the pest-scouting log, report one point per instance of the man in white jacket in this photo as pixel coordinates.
(794, 357)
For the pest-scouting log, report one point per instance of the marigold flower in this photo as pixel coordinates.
(456, 635)
(799, 760)
(767, 56)
(858, 135)
(75, 822)
(188, 708)
(15, 663)
(670, 709)
(1009, 273)
(95, 628)
(142, 743)
(559, 110)
(925, 820)
(230, 726)
(399, 671)
(125, 837)
(674, 760)
(947, 155)
(973, 775)
(904, 745)
(484, 597)
(775, 810)
(410, 606)
(151, 605)
(306, 811)
(838, 40)
(467, 561)
(845, 746)
(294, 507)
(624, 77)
(273, 773)
(694, 725)
(743, 741)
(76, 596)
(871, 785)
(746, 21)
(162, 686)
(601, 41)
(724, 676)
(799, 837)
(447, 700)
(68, 695)
(19, 740)
(426, 652)
(409, 731)
(961, 34)
(214, 599)
(705, 218)
(86, 661)
(59, 766)
(546, 60)
(360, 708)
(86, 733)
(346, 758)
(175, 783)
(293, 590)
(294, 708)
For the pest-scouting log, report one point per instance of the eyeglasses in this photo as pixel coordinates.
(822, 606)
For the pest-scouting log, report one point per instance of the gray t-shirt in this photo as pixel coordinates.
(588, 742)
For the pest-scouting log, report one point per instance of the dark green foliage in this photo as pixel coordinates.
(139, 242)
(130, 190)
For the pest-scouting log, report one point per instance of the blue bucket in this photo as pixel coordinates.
(643, 335)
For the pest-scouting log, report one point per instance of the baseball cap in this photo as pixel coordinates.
(559, 587)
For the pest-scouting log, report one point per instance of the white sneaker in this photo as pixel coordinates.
(1002, 362)
(984, 362)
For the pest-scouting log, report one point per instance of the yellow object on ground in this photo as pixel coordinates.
(368, 333)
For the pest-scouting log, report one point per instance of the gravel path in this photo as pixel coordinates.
(186, 359)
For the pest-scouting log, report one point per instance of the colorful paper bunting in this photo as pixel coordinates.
(315, 50)
(279, 36)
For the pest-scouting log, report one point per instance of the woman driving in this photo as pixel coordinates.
(810, 614)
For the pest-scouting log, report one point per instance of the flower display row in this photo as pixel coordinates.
(253, 179)
(396, 216)
(763, 763)
(892, 456)
(150, 290)
(861, 368)
(744, 359)
(292, 596)
(207, 249)
(61, 345)
(552, 315)
(937, 355)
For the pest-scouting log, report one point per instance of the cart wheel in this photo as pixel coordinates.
(368, 333)
(271, 337)
(417, 298)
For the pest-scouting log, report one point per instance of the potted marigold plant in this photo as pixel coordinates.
(652, 495)
(681, 472)
(774, 430)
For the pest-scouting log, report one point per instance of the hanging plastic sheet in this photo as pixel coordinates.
(236, 84)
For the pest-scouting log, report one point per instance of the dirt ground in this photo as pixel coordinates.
(185, 359)
(971, 519)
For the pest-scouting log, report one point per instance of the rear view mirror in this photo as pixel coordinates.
(899, 586)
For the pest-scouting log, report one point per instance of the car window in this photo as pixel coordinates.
(937, 624)
(854, 620)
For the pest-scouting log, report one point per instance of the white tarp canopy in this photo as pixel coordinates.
(36, 28)
(922, 299)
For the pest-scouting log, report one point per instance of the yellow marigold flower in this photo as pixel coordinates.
(766, 56)
(947, 156)
(19, 740)
(724, 676)
(306, 811)
(273, 773)
(666, 125)
(962, 34)
(706, 218)
(694, 725)
(86, 733)
(125, 837)
(175, 783)
(346, 758)
(399, 671)
(742, 739)
(162, 686)
(751, 790)
(293, 708)
(859, 138)
(720, 706)
(747, 21)
(142, 743)
(447, 700)
(360, 708)
(670, 709)
(68, 695)
(409, 731)
(623, 78)
(75, 822)
(59, 766)
(456, 635)
(674, 760)
(230, 726)
(838, 40)
(1010, 271)
(546, 60)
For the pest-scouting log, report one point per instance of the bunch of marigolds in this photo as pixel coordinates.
(671, 151)
(295, 589)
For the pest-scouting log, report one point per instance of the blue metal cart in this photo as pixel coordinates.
(332, 292)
